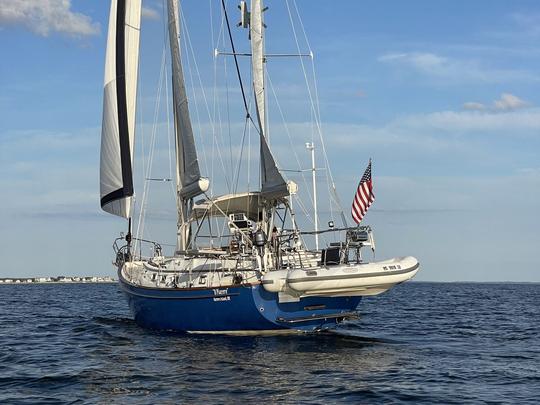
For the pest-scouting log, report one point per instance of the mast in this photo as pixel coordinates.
(119, 105)
(272, 183)
(311, 147)
(188, 177)
(256, 32)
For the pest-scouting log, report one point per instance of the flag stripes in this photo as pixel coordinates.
(364, 196)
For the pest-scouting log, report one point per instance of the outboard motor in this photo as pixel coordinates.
(259, 239)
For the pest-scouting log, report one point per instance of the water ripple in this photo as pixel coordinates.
(421, 343)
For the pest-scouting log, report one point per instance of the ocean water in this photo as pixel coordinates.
(421, 343)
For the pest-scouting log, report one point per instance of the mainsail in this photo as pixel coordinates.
(119, 104)
(190, 183)
(188, 176)
(272, 183)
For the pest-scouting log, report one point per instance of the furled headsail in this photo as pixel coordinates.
(272, 183)
(119, 105)
(190, 182)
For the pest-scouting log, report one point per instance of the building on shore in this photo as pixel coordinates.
(59, 279)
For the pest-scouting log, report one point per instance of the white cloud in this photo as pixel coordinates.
(472, 105)
(149, 13)
(530, 171)
(473, 138)
(422, 129)
(455, 70)
(509, 102)
(33, 140)
(512, 122)
(423, 61)
(47, 16)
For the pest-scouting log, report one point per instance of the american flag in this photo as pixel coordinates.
(363, 197)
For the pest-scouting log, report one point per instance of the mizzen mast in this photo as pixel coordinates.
(273, 185)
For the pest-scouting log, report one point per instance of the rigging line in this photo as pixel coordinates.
(248, 115)
(211, 22)
(142, 214)
(333, 185)
(216, 116)
(196, 64)
(237, 175)
(228, 118)
(235, 58)
(329, 173)
(162, 76)
(141, 130)
(204, 97)
(249, 158)
(303, 207)
(212, 118)
(307, 188)
(278, 104)
(259, 166)
(308, 87)
(188, 46)
(198, 74)
(228, 173)
(332, 195)
(169, 134)
(312, 102)
(152, 146)
(219, 127)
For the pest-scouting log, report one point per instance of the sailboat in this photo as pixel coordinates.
(260, 277)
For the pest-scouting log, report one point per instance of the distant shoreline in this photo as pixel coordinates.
(57, 280)
(61, 282)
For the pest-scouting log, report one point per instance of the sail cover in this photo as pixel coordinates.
(189, 176)
(119, 103)
(272, 183)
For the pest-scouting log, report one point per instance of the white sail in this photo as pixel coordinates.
(119, 104)
(190, 183)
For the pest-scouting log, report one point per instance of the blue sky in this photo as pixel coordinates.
(442, 95)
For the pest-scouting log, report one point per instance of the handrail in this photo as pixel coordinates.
(123, 253)
(352, 228)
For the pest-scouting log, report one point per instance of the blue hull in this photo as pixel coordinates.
(234, 309)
